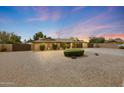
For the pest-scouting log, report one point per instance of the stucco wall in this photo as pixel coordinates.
(106, 45)
(36, 46)
(85, 45)
(8, 47)
(48, 46)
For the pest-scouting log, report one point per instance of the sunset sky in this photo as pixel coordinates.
(63, 22)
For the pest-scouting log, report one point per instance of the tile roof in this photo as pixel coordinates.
(54, 40)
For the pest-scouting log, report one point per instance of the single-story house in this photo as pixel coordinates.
(48, 42)
(117, 40)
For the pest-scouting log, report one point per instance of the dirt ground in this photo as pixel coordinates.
(53, 69)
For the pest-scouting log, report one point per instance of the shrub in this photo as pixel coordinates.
(67, 46)
(97, 40)
(42, 47)
(73, 52)
(121, 47)
(54, 46)
(3, 50)
(63, 45)
(90, 45)
(74, 45)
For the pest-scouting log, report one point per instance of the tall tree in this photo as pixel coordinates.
(97, 40)
(15, 38)
(74, 38)
(12, 38)
(4, 37)
(38, 35)
(30, 40)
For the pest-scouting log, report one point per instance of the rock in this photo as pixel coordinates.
(96, 54)
(73, 57)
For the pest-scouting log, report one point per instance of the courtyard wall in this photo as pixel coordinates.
(7, 47)
(105, 45)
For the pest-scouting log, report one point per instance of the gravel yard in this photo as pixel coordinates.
(51, 68)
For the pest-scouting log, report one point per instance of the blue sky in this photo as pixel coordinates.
(63, 22)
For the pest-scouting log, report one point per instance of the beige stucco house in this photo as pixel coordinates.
(48, 42)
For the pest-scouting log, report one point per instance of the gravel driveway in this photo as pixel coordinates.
(110, 51)
(51, 68)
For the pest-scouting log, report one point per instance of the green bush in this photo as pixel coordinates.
(54, 46)
(73, 52)
(3, 50)
(63, 45)
(74, 45)
(67, 46)
(42, 47)
(121, 47)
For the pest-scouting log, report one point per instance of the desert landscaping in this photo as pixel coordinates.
(52, 68)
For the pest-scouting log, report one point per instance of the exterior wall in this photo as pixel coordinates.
(58, 44)
(8, 47)
(84, 45)
(106, 45)
(71, 45)
(90, 45)
(36, 46)
(48, 46)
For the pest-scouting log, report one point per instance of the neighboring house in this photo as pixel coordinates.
(121, 45)
(111, 43)
(117, 40)
(48, 42)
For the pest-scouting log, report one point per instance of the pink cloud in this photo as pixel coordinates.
(40, 18)
(94, 20)
(85, 29)
(107, 36)
(78, 8)
(110, 8)
(44, 14)
(56, 16)
(23, 8)
(39, 9)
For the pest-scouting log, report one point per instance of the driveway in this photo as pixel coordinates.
(51, 68)
(110, 51)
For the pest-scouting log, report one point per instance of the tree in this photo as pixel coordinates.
(30, 40)
(38, 35)
(42, 47)
(63, 45)
(11, 38)
(14, 38)
(74, 38)
(54, 46)
(4, 37)
(25, 41)
(45, 36)
(97, 40)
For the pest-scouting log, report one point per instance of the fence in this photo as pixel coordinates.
(105, 45)
(15, 47)
(21, 47)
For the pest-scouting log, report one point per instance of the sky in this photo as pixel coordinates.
(63, 21)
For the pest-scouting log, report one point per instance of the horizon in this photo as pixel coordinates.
(63, 21)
